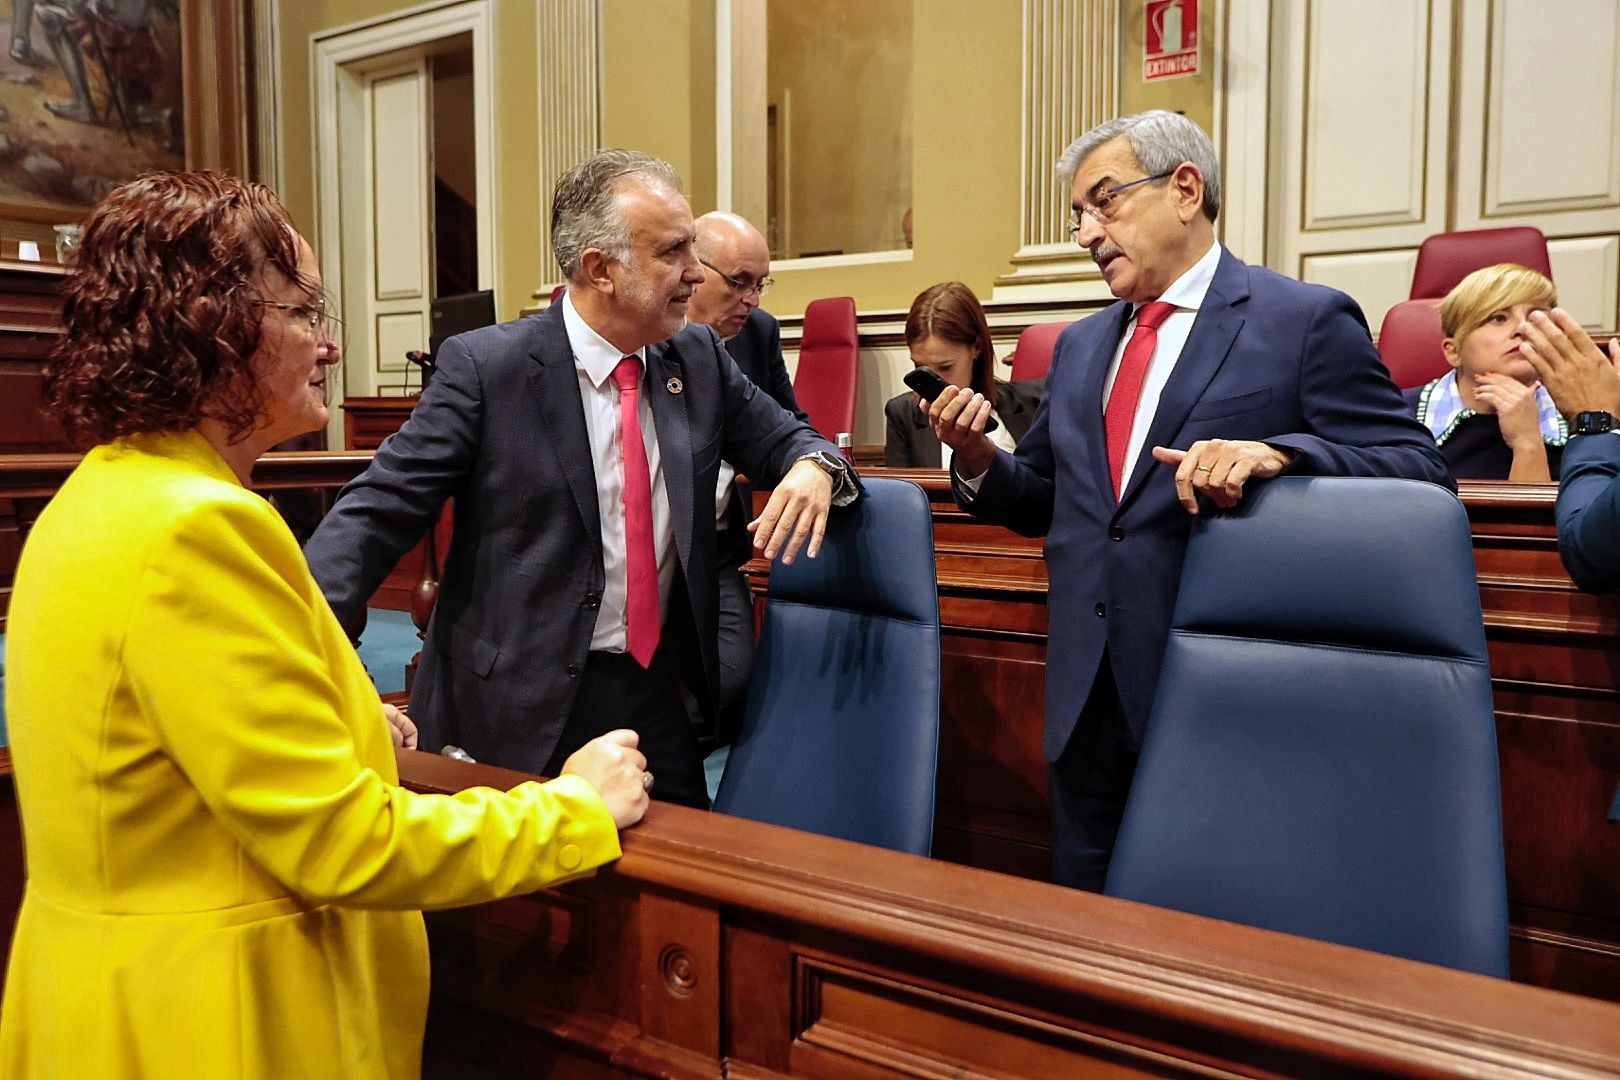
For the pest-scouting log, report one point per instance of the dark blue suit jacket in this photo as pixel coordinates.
(757, 348)
(1268, 359)
(501, 430)
(1589, 511)
(1589, 520)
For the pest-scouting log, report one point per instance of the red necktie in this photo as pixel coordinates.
(640, 558)
(1121, 411)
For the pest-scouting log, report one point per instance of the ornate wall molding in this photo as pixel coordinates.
(1070, 84)
(568, 64)
(265, 38)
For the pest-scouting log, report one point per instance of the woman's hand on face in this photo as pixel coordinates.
(1515, 407)
(400, 727)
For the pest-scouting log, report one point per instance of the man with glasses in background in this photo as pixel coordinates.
(736, 265)
(1208, 375)
(581, 449)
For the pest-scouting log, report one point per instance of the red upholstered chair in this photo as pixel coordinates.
(1033, 353)
(825, 380)
(1409, 342)
(557, 293)
(1446, 258)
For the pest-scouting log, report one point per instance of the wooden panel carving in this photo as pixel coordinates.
(1525, 102)
(830, 959)
(30, 325)
(1556, 673)
(1389, 124)
(1555, 659)
(367, 421)
(836, 960)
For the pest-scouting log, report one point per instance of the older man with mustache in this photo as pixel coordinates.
(581, 450)
(1208, 376)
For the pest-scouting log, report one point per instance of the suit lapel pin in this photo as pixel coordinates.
(674, 385)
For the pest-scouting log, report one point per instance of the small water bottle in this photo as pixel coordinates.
(846, 446)
(67, 242)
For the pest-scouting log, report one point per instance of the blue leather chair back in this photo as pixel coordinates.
(1321, 755)
(840, 734)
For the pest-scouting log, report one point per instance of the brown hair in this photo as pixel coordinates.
(162, 308)
(1488, 290)
(950, 311)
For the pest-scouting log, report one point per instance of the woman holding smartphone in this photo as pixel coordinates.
(946, 332)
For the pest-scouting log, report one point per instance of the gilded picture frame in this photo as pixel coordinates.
(96, 94)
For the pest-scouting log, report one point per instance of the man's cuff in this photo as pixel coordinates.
(971, 486)
(846, 483)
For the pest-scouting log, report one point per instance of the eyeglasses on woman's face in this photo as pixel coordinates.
(321, 323)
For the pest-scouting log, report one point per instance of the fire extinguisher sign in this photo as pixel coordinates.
(1170, 39)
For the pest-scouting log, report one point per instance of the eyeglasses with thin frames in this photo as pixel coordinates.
(1107, 205)
(321, 323)
(741, 286)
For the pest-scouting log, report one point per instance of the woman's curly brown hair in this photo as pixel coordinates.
(163, 309)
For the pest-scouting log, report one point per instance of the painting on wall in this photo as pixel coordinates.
(91, 95)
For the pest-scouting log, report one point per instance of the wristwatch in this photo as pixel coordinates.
(1594, 423)
(834, 466)
(845, 487)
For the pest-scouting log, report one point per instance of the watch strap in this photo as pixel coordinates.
(1593, 423)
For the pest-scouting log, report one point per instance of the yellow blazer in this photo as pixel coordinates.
(222, 868)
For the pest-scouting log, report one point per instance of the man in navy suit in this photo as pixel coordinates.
(1207, 376)
(566, 602)
(1585, 386)
(736, 274)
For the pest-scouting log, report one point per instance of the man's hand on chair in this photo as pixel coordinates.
(797, 509)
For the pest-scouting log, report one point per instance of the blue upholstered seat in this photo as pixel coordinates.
(840, 733)
(1321, 757)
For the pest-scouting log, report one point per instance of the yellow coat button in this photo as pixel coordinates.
(569, 857)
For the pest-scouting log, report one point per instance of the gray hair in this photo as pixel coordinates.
(1161, 141)
(584, 212)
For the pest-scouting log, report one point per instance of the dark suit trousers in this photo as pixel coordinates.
(616, 692)
(1090, 781)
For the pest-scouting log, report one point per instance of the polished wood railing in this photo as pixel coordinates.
(1555, 661)
(1553, 656)
(719, 947)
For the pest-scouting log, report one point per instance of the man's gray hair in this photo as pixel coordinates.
(1161, 141)
(584, 212)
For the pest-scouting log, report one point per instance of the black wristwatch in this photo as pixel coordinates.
(1594, 423)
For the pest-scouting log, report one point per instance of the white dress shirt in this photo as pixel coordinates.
(1187, 293)
(594, 361)
(1001, 437)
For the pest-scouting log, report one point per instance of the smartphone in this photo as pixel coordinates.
(929, 384)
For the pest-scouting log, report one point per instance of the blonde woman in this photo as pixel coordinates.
(1489, 415)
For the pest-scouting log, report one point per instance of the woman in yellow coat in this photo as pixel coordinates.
(223, 872)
